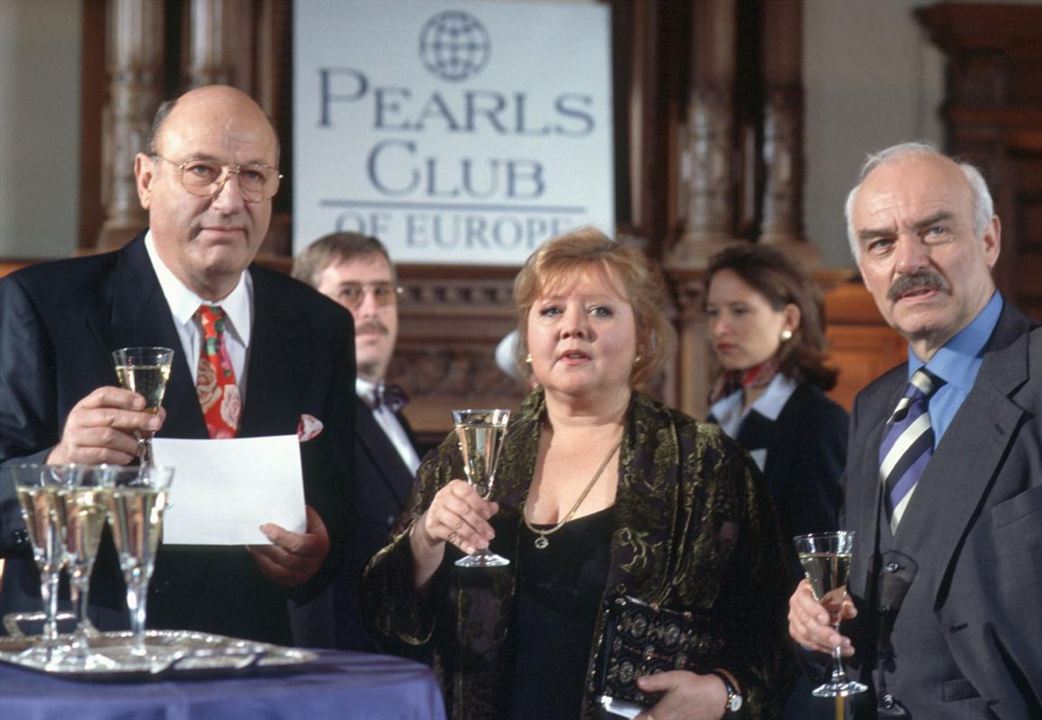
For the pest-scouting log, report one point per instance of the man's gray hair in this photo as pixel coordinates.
(983, 207)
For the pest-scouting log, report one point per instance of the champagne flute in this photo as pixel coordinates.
(135, 499)
(82, 509)
(480, 434)
(825, 558)
(144, 370)
(37, 489)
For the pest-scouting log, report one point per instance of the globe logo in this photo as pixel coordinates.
(454, 46)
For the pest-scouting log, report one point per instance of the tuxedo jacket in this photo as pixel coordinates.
(59, 323)
(381, 484)
(949, 622)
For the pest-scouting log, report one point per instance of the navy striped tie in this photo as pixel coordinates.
(908, 444)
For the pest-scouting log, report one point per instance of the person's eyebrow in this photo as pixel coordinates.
(884, 232)
(939, 216)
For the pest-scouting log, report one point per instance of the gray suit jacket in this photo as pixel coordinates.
(949, 623)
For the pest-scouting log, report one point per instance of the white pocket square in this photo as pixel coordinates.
(309, 428)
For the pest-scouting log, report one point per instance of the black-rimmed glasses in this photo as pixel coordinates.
(206, 178)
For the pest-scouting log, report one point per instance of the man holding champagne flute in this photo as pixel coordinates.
(207, 178)
(942, 480)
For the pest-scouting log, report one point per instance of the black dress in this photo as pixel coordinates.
(559, 595)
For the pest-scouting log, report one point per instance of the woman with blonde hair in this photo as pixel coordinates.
(600, 490)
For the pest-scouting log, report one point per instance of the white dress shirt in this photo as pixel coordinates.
(238, 311)
(390, 425)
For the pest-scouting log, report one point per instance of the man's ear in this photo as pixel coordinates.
(992, 241)
(144, 174)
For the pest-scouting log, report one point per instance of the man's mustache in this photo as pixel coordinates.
(372, 326)
(921, 280)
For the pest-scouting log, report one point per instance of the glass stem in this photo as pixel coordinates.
(136, 603)
(839, 675)
(144, 449)
(49, 595)
(78, 588)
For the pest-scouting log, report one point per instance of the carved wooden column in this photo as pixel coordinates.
(781, 63)
(220, 41)
(135, 65)
(707, 189)
(707, 186)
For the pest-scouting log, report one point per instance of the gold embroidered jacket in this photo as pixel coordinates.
(693, 531)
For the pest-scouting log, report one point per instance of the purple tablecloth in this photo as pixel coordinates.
(338, 685)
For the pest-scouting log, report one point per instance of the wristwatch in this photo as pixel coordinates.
(734, 698)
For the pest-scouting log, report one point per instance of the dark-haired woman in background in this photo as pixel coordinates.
(766, 324)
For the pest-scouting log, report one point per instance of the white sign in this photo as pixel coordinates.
(456, 132)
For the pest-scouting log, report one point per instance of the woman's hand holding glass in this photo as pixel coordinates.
(458, 515)
(811, 623)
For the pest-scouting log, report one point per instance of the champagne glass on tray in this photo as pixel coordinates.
(825, 558)
(480, 435)
(146, 371)
(37, 489)
(82, 509)
(135, 500)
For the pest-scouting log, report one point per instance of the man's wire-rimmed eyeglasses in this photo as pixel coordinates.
(206, 178)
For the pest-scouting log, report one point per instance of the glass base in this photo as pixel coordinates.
(838, 689)
(484, 559)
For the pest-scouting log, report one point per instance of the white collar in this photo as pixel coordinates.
(363, 388)
(237, 306)
(729, 412)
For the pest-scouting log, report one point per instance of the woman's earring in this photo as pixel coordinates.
(637, 359)
(786, 335)
(528, 358)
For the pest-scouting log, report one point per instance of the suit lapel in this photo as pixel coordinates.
(140, 316)
(868, 493)
(970, 454)
(384, 455)
(273, 340)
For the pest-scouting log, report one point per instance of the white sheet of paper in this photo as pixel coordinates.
(224, 490)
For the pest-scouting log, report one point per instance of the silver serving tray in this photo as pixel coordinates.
(172, 654)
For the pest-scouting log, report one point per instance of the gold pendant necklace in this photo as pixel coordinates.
(541, 542)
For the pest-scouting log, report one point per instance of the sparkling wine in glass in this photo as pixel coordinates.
(480, 435)
(82, 509)
(825, 558)
(144, 370)
(135, 501)
(37, 489)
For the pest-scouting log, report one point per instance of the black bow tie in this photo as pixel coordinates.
(390, 395)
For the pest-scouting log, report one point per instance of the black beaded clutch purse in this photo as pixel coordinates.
(641, 639)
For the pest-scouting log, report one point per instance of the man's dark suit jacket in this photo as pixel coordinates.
(962, 578)
(381, 484)
(59, 323)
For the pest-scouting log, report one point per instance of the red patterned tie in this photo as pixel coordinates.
(215, 382)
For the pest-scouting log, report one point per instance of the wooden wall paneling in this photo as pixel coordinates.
(993, 117)
(93, 86)
(450, 320)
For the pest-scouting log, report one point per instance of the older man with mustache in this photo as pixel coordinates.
(945, 465)
(356, 271)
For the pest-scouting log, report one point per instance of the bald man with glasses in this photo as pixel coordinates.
(207, 177)
(356, 271)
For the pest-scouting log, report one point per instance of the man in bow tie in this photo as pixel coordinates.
(256, 353)
(356, 271)
(942, 483)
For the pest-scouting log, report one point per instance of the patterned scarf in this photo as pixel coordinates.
(756, 377)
